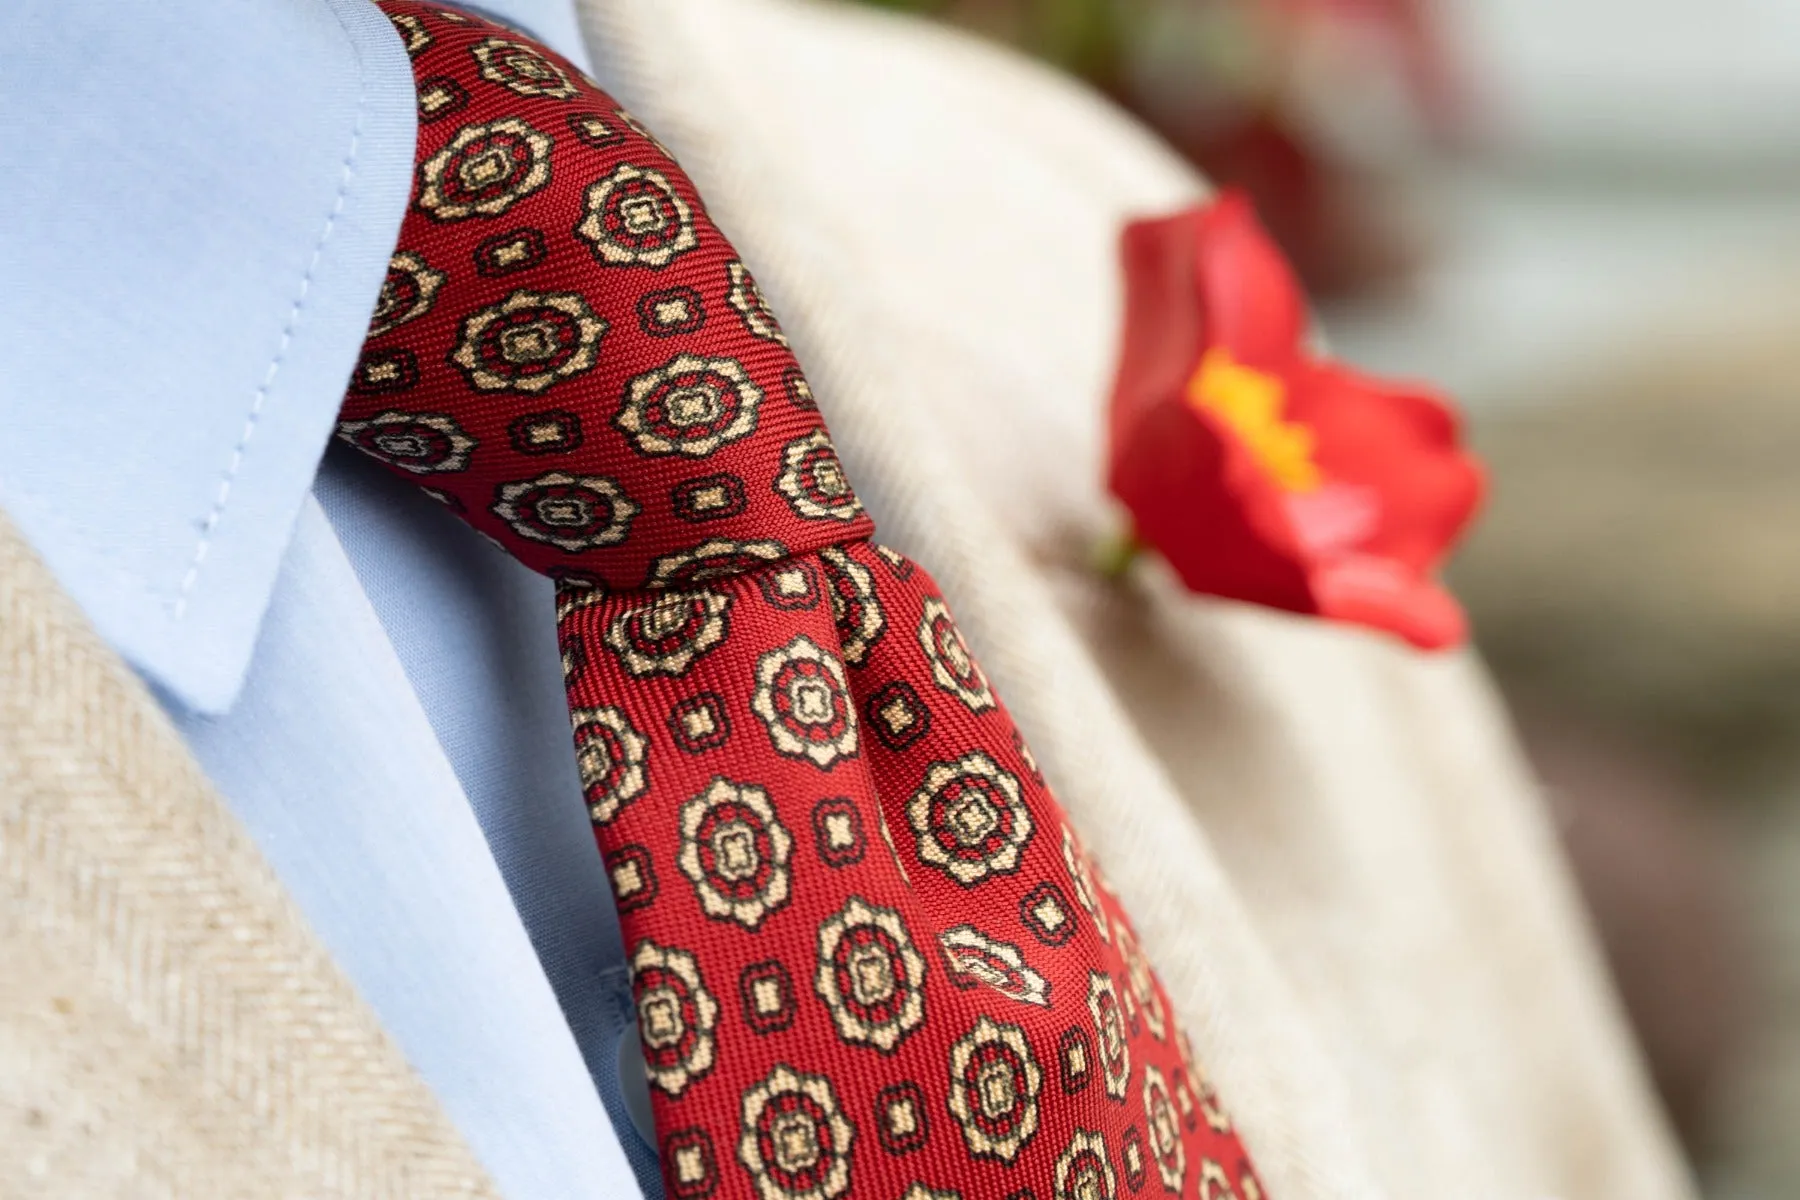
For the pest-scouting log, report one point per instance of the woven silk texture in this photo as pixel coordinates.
(868, 953)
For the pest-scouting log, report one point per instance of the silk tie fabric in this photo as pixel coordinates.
(869, 955)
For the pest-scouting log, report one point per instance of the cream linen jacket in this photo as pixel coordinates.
(1329, 843)
(168, 1025)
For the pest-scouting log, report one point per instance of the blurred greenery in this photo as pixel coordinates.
(1086, 37)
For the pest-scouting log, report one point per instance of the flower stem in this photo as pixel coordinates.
(1114, 556)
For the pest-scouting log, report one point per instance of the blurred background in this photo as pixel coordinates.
(1582, 218)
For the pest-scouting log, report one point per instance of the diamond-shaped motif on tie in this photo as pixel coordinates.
(1046, 913)
(671, 312)
(698, 723)
(1134, 1160)
(688, 1164)
(593, 131)
(767, 994)
(901, 1122)
(509, 252)
(633, 877)
(709, 498)
(838, 831)
(900, 719)
(552, 432)
(382, 372)
(1076, 1054)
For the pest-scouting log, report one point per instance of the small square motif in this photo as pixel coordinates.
(1134, 1158)
(514, 250)
(897, 715)
(765, 997)
(1046, 912)
(380, 372)
(633, 877)
(708, 498)
(439, 97)
(590, 130)
(552, 432)
(792, 588)
(689, 1164)
(900, 1120)
(838, 831)
(1075, 1057)
(766, 992)
(670, 311)
(699, 723)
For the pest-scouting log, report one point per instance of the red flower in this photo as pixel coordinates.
(1261, 471)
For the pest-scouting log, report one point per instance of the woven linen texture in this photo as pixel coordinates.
(169, 1026)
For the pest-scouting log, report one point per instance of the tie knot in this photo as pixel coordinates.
(567, 351)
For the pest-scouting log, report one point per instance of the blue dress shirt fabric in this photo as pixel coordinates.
(201, 210)
(332, 761)
(476, 635)
(207, 207)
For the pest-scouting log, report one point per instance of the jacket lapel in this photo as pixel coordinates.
(168, 1024)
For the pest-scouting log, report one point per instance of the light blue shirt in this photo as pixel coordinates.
(202, 200)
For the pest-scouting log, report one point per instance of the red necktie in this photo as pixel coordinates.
(869, 956)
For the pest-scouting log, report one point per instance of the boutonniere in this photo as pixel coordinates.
(1260, 470)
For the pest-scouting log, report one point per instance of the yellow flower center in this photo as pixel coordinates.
(1249, 401)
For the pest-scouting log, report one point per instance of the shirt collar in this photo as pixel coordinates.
(210, 208)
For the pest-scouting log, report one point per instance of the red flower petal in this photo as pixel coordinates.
(1373, 592)
(1250, 302)
(1162, 336)
(1260, 473)
(1221, 529)
(1402, 442)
